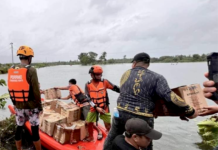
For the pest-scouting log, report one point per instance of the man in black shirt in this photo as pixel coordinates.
(140, 89)
(138, 135)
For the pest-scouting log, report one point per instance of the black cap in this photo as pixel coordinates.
(142, 57)
(141, 127)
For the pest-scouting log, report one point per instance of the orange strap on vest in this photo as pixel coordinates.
(98, 94)
(18, 86)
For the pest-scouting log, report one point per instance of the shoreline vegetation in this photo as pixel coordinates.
(90, 58)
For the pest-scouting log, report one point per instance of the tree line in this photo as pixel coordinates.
(91, 58)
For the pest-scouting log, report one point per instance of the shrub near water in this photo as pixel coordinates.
(7, 131)
(208, 130)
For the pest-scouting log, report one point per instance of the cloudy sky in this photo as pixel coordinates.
(62, 29)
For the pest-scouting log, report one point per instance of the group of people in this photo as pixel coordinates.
(139, 89)
(94, 101)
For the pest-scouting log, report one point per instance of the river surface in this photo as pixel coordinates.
(177, 134)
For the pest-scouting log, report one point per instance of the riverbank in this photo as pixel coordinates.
(4, 67)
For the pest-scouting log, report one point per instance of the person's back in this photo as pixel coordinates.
(138, 91)
(24, 92)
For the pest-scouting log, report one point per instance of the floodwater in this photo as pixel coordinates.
(177, 134)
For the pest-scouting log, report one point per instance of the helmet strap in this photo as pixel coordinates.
(29, 60)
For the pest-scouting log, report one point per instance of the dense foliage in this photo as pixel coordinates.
(4, 96)
(208, 130)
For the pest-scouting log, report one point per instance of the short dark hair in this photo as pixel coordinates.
(72, 81)
(128, 135)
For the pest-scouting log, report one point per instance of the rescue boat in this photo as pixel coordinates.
(49, 143)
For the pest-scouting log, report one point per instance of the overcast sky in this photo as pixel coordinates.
(62, 29)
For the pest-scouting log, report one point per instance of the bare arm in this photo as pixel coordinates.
(66, 98)
(62, 88)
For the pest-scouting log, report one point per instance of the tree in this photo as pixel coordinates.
(203, 57)
(84, 58)
(124, 57)
(87, 58)
(102, 58)
(196, 57)
(92, 56)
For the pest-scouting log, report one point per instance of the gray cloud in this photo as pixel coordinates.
(61, 30)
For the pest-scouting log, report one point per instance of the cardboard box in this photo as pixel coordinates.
(48, 102)
(58, 131)
(70, 132)
(67, 133)
(50, 122)
(72, 113)
(52, 93)
(47, 110)
(193, 96)
(57, 105)
(82, 126)
(42, 118)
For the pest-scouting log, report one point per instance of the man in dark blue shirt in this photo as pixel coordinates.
(140, 88)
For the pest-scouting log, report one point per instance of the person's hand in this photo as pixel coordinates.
(209, 110)
(186, 118)
(100, 110)
(209, 89)
(42, 92)
(194, 115)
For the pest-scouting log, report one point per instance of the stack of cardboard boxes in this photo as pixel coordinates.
(62, 121)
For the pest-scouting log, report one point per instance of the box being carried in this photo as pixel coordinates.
(193, 96)
(52, 93)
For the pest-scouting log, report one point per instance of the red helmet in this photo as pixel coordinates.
(96, 69)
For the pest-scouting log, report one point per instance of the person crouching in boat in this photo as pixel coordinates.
(96, 89)
(77, 94)
(24, 92)
(81, 100)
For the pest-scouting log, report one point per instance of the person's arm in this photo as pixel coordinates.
(62, 88)
(66, 98)
(111, 86)
(163, 91)
(35, 86)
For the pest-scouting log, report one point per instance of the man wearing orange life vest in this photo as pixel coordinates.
(77, 94)
(96, 89)
(24, 92)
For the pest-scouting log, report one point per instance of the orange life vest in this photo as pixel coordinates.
(18, 86)
(98, 94)
(77, 94)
